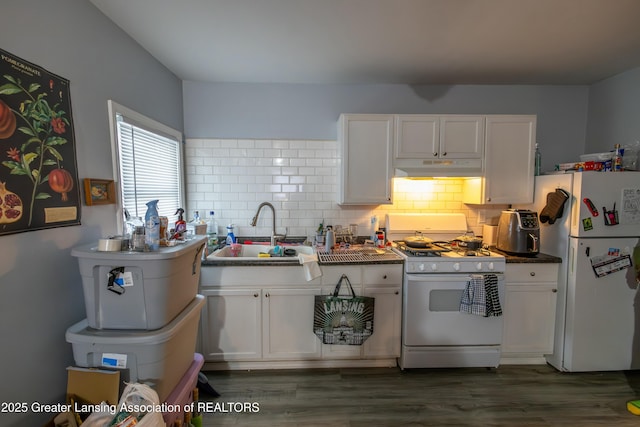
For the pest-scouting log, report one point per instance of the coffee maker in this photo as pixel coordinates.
(519, 232)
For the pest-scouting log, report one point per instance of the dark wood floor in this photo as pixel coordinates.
(507, 396)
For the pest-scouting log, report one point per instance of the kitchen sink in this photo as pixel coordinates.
(259, 252)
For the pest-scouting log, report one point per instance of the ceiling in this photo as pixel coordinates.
(386, 41)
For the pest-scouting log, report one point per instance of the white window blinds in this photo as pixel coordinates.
(150, 168)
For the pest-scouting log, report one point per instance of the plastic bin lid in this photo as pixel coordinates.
(81, 332)
(91, 251)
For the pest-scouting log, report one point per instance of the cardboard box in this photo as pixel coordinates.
(93, 385)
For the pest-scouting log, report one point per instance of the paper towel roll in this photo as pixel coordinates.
(489, 234)
(109, 245)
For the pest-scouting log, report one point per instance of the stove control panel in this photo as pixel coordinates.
(488, 266)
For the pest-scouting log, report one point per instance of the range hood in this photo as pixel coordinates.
(419, 168)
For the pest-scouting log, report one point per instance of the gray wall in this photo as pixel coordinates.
(614, 112)
(281, 111)
(39, 280)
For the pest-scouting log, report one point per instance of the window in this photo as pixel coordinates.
(148, 163)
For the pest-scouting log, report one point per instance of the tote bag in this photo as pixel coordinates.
(343, 320)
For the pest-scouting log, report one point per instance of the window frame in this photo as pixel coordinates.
(134, 118)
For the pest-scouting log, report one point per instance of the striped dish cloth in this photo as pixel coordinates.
(480, 296)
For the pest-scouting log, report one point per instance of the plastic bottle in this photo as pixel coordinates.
(135, 231)
(231, 238)
(538, 161)
(152, 226)
(616, 161)
(212, 230)
(374, 227)
(181, 224)
(196, 217)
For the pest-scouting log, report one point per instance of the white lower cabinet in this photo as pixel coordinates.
(385, 341)
(232, 324)
(529, 311)
(271, 325)
(287, 329)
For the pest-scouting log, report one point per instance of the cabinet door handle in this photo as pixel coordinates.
(384, 277)
(444, 154)
(397, 292)
(533, 273)
(255, 295)
(435, 154)
(266, 295)
(554, 290)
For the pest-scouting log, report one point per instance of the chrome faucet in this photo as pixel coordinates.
(274, 235)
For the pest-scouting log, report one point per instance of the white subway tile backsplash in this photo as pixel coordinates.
(299, 177)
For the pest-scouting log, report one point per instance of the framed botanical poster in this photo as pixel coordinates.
(38, 171)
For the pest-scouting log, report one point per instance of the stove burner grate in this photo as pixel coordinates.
(433, 250)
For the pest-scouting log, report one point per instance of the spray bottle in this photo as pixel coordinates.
(181, 225)
(152, 226)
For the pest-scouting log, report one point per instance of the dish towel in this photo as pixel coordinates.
(480, 296)
(310, 265)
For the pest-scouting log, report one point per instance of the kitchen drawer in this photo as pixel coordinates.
(332, 274)
(531, 273)
(382, 274)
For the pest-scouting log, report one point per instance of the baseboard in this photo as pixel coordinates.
(299, 364)
(522, 359)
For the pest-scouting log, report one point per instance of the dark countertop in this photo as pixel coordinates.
(538, 259)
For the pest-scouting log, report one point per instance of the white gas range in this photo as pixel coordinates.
(435, 332)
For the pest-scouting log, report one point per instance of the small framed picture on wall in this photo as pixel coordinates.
(99, 192)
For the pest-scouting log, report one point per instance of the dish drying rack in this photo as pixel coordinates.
(357, 256)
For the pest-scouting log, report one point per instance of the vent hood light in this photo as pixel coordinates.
(419, 168)
(424, 174)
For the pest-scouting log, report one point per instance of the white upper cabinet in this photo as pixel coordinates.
(417, 136)
(496, 152)
(365, 150)
(438, 145)
(509, 161)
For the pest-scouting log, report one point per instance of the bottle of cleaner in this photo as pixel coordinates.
(152, 226)
(231, 238)
(181, 224)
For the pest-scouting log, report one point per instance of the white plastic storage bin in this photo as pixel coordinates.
(157, 358)
(157, 285)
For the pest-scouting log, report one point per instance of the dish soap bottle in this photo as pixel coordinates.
(152, 226)
(231, 238)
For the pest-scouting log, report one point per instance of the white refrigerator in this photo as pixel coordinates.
(598, 306)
